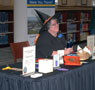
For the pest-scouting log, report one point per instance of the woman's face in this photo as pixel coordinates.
(54, 26)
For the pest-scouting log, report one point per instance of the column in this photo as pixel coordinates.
(20, 21)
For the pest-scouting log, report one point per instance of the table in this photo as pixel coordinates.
(77, 78)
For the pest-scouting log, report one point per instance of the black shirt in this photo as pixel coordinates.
(47, 43)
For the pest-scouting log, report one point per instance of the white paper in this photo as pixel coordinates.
(87, 50)
(28, 60)
(45, 65)
(56, 60)
(79, 49)
(93, 53)
(91, 42)
(36, 75)
(61, 54)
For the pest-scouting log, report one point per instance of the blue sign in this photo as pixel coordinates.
(40, 1)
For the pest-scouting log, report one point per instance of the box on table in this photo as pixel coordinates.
(45, 65)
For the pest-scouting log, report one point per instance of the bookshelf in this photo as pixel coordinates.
(75, 21)
(6, 25)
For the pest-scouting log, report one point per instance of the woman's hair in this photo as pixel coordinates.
(49, 23)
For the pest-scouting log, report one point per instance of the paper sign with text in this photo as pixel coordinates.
(93, 53)
(91, 42)
(28, 60)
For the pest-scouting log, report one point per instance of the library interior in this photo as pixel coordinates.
(20, 24)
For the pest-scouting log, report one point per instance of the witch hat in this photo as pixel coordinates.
(42, 15)
(45, 19)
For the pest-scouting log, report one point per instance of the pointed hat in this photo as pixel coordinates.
(42, 15)
(45, 19)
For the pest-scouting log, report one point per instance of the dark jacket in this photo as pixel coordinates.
(47, 43)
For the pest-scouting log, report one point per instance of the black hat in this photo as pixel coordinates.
(42, 15)
(45, 19)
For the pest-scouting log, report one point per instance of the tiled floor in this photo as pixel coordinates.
(6, 56)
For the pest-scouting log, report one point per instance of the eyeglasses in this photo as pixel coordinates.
(54, 24)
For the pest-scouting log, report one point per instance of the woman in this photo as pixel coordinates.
(49, 41)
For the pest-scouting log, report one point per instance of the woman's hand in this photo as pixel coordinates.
(68, 51)
(54, 52)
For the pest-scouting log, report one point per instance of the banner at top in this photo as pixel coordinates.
(40, 3)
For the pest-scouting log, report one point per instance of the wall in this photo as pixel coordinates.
(76, 2)
(6, 2)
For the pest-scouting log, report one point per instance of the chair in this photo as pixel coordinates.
(17, 49)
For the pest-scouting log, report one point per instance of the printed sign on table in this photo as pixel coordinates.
(28, 60)
(91, 41)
